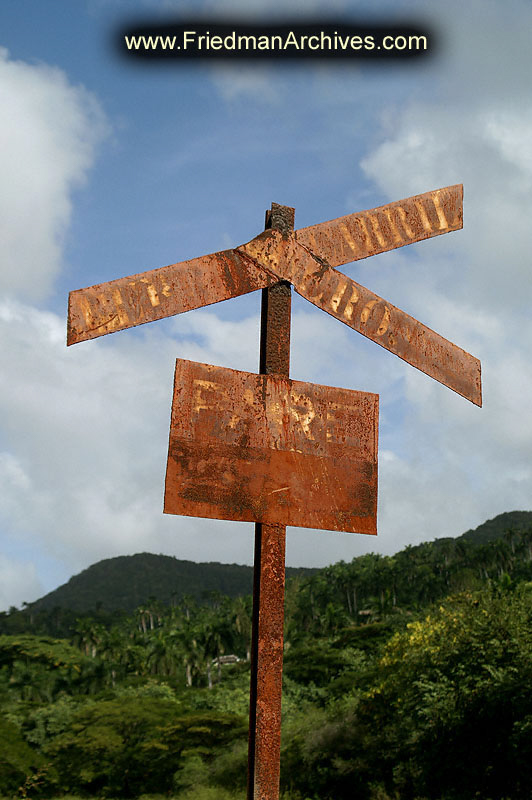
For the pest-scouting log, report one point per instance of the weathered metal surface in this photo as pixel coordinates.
(159, 293)
(267, 663)
(264, 448)
(267, 636)
(163, 292)
(367, 233)
(367, 313)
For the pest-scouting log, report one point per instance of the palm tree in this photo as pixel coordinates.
(213, 634)
(242, 621)
(187, 636)
(88, 636)
(113, 651)
(160, 659)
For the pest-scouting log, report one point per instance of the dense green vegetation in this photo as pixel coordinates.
(126, 582)
(404, 677)
(495, 528)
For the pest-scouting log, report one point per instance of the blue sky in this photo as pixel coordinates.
(111, 167)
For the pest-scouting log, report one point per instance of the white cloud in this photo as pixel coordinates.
(18, 583)
(47, 140)
(226, 343)
(77, 433)
(85, 429)
(461, 464)
(491, 155)
(255, 83)
(86, 434)
(251, 10)
(85, 438)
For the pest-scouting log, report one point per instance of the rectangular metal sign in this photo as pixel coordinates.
(264, 448)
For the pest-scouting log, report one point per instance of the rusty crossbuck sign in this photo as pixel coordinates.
(262, 447)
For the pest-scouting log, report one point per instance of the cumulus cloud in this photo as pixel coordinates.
(85, 430)
(74, 422)
(47, 145)
(19, 583)
(86, 433)
(47, 141)
(489, 153)
(251, 9)
(473, 287)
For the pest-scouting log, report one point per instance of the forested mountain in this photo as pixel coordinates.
(127, 582)
(495, 528)
(404, 676)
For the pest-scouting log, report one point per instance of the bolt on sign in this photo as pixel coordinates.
(263, 447)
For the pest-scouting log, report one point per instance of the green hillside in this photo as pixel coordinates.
(496, 528)
(405, 676)
(417, 575)
(127, 582)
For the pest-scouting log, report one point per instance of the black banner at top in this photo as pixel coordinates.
(222, 41)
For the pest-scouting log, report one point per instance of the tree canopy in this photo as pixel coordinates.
(404, 677)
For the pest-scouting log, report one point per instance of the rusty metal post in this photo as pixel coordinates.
(269, 564)
(274, 261)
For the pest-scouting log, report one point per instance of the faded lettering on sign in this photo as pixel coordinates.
(264, 448)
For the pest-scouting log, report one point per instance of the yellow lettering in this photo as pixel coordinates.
(366, 311)
(376, 230)
(120, 310)
(398, 239)
(87, 311)
(152, 294)
(338, 295)
(406, 225)
(348, 238)
(439, 210)
(302, 410)
(201, 399)
(349, 310)
(367, 237)
(425, 221)
(385, 321)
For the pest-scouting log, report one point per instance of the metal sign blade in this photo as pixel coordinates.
(403, 222)
(159, 293)
(369, 314)
(264, 448)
